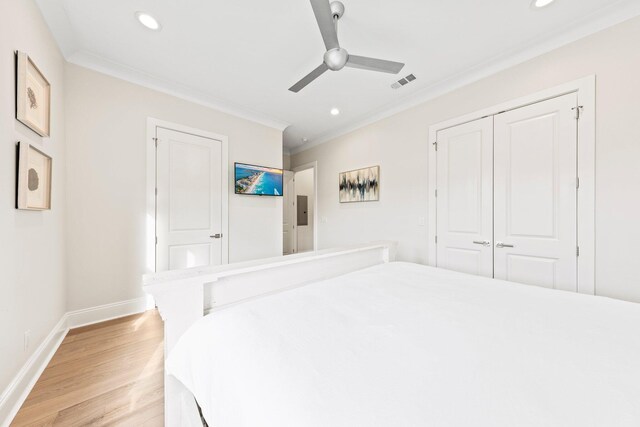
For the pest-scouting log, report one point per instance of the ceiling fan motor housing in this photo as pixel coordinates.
(336, 58)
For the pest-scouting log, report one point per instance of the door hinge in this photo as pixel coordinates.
(436, 239)
(155, 140)
(577, 250)
(156, 191)
(436, 193)
(578, 111)
(156, 240)
(577, 182)
(435, 145)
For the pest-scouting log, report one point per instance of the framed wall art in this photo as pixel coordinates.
(34, 178)
(33, 96)
(361, 185)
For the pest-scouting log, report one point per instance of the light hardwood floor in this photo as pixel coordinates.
(107, 374)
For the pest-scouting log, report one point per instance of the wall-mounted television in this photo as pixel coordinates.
(258, 180)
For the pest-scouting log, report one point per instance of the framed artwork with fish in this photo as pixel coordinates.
(33, 96)
(34, 178)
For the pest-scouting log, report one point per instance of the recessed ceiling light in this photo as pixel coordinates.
(305, 140)
(539, 4)
(148, 21)
(335, 111)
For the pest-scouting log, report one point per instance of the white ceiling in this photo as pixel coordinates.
(242, 56)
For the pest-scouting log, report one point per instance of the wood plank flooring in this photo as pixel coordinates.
(107, 374)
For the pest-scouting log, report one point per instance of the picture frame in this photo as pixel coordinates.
(33, 96)
(34, 170)
(359, 185)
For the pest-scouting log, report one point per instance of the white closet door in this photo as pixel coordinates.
(535, 194)
(465, 198)
(288, 213)
(189, 201)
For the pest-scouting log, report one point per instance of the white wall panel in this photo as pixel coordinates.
(107, 122)
(32, 244)
(399, 145)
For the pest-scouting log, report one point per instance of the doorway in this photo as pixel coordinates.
(188, 183)
(300, 207)
(288, 214)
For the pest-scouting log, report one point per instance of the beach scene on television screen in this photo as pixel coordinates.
(258, 180)
(362, 185)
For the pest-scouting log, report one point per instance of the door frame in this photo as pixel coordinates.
(585, 89)
(311, 165)
(291, 208)
(152, 125)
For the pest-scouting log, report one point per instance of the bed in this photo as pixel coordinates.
(399, 344)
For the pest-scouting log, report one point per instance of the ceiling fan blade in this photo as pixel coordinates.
(322, 10)
(309, 78)
(374, 64)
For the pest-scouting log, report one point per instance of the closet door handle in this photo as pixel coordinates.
(503, 245)
(216, 236)
(482, 242)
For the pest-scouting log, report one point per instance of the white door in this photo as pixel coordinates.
(535, 194)
(288, 214)
(465, 198)
(189, 200)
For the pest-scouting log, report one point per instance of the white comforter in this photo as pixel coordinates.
(408, 345)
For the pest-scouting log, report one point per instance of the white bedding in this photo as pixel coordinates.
(407, 345)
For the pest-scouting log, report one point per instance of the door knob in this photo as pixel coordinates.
(503, 245)
(216, 236)
(482, 242)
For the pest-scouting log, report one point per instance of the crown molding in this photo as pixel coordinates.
(603, 19)
(56, 18)
(123, 72)
(58, 22)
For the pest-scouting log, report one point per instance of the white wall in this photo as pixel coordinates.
(399, 145)
(304, 187)
(106, 123)
(32, 244)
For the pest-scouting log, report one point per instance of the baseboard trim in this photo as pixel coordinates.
(17, 391)
(102, 313)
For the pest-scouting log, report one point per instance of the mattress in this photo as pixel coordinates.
(402, 344)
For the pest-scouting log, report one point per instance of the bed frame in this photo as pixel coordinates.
(184, 296)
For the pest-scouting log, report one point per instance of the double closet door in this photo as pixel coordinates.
(507, 195)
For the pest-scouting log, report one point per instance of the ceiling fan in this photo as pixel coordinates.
(336, 58)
